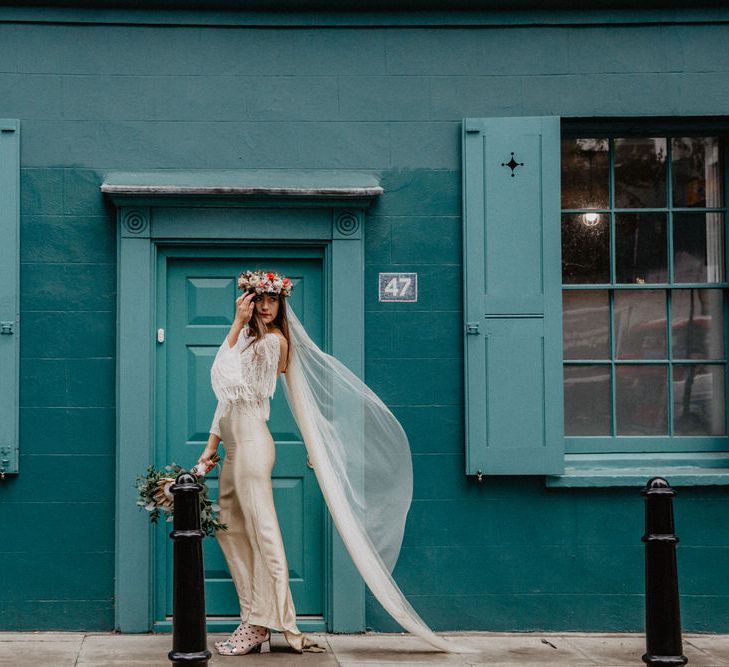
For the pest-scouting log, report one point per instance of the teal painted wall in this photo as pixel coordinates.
(506, 555)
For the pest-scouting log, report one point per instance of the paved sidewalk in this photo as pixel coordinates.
(78, 649)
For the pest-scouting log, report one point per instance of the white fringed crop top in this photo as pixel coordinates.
(245, 374)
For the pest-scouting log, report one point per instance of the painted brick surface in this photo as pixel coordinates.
(506, 555)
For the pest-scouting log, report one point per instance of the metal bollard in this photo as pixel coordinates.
(189, 637)
(662, 610)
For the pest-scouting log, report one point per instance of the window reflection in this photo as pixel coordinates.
(585, 324)
(640, 324)
(585, 248)
(640, 172)
(698, 247)
(585, 173)
(641, 399)
(641, 248)
(695, 172)
(587, 400)
(698, 400)
(697, 324)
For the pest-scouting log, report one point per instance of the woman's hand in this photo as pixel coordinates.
(244, 308)
(209, 451)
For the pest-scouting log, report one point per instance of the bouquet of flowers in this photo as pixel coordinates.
(155, 496)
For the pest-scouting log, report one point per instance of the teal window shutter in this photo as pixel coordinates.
(9, 293)
(512, 297)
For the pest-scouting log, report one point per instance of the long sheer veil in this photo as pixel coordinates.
(361, 457)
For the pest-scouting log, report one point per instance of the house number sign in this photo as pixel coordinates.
(398, 287)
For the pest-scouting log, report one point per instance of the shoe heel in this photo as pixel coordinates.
(266, 646)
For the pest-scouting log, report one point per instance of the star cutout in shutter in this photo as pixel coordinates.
(512, 164)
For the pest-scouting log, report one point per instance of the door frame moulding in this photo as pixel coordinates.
(189, 214)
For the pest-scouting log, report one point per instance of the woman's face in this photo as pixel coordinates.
(266, 307)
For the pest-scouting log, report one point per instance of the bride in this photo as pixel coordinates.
(358, 449)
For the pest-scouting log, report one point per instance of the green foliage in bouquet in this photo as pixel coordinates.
(157, 499)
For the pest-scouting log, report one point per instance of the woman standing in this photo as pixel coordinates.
(359, 452)
(252, 545)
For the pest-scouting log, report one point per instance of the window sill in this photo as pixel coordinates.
(634, 470)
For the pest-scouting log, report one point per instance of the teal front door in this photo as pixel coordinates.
(199, 298)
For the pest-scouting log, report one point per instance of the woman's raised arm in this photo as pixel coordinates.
(243, 313)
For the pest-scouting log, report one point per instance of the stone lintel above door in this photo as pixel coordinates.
(242, 187)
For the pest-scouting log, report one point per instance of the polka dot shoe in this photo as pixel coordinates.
(246, 638)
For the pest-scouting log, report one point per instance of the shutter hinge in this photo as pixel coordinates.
(4, 461)
(6, 328)
(472, 328)
(160, 335)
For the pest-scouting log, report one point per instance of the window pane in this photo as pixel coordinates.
(698, 400)
(640, 172)
(640, 324)
(587, 400)
(640, 248)
(697, 324)
(585, 167)
(641, 398)
(586, 325)
(698, 247)
(585, 248)
(696, 172)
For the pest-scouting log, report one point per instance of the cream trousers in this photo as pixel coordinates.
(252, 545)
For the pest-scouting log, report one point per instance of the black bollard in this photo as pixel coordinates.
(662, 610)
(189, 636)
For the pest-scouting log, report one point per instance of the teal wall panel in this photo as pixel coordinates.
(88, 574)
(57, 614)
(74, 431)
(506, 555)
(41, 193)
(69, 238)
(435, 331)
(85, 525)
(93, 470)
(78, 286)
(435, 428)
(385, 378)
(82, 333)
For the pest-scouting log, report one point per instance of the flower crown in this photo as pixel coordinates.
(265, 281)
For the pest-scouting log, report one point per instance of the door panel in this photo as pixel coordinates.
(200, 305)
